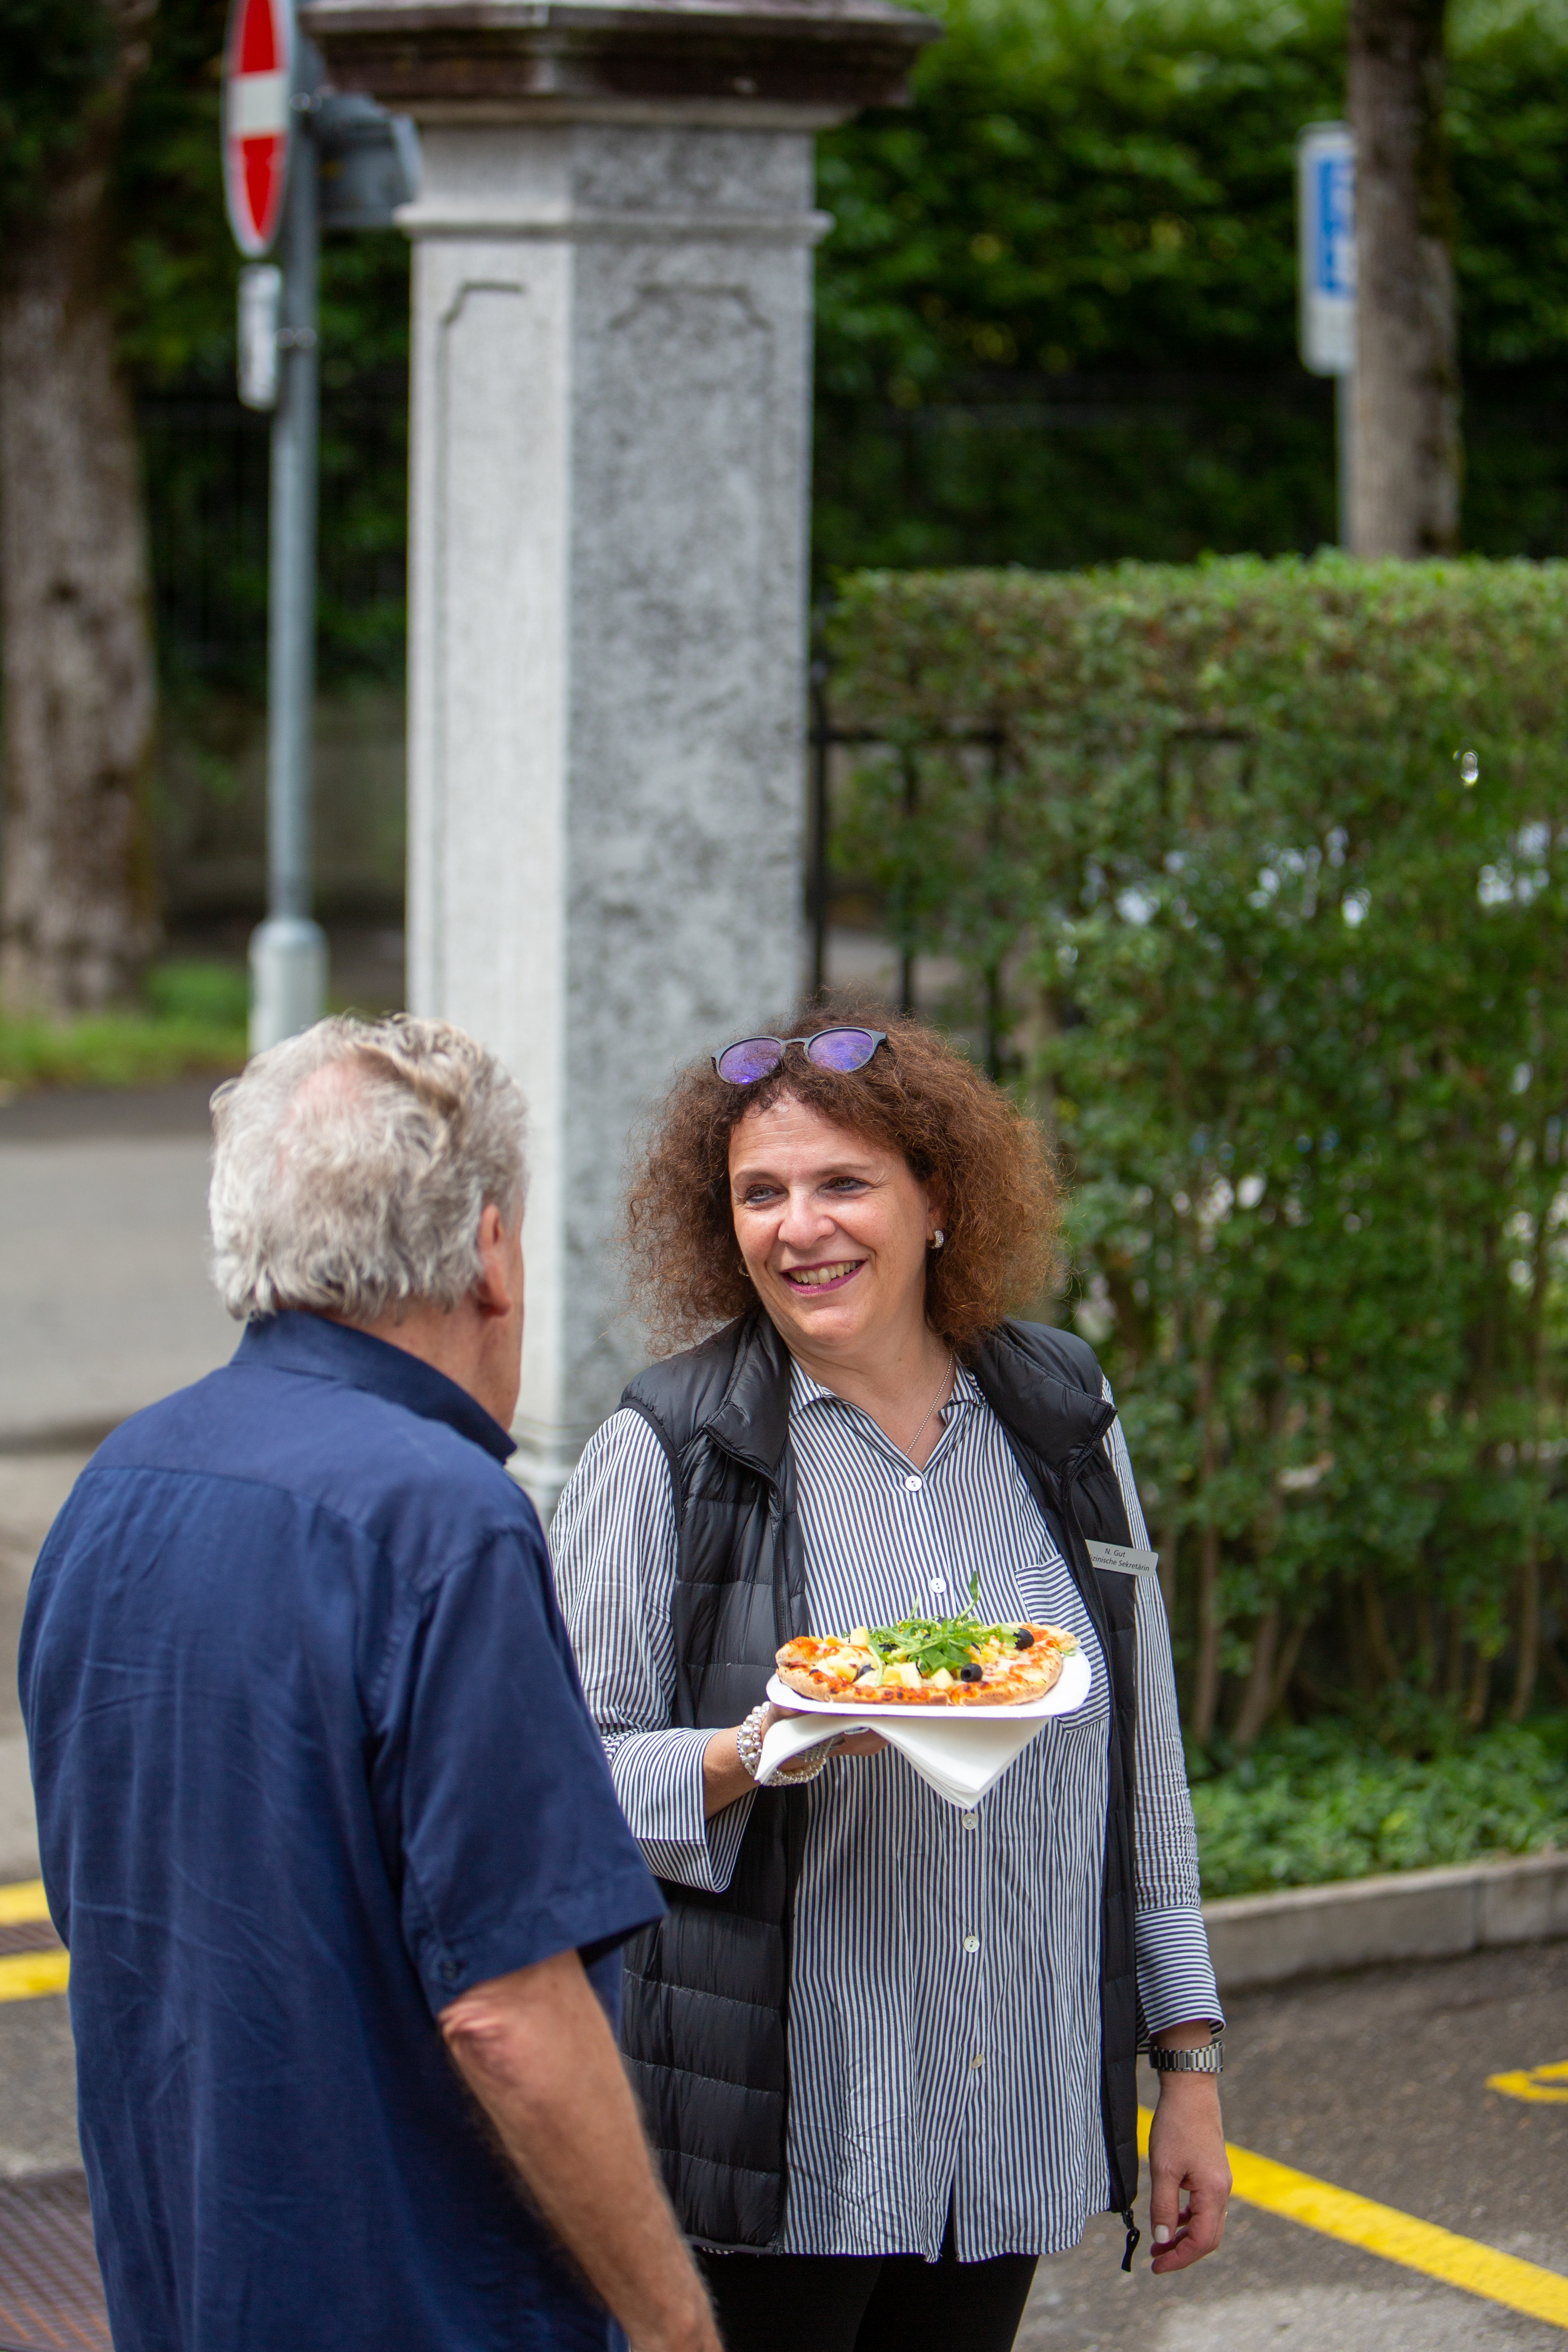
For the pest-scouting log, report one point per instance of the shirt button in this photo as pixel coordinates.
(971, 1943)
(972, 1820)
(912, 1484)
(448, 1972)
(975, 2064)
(937, 1585)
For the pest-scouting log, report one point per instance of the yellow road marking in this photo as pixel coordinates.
(27, 1976)
(21, 1902)
(1397, 2237)
(1544, 2083)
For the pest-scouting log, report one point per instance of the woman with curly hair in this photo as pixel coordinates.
(889, 2044)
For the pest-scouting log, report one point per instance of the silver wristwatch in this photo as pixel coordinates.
(1189, 2061)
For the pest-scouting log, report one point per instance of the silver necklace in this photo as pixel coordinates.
(908, 1450)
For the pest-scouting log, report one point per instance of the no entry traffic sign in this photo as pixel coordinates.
(258, 69)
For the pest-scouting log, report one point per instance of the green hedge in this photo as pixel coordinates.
(1324, 1801)
(1290, 987)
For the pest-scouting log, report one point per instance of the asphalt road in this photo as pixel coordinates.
(104, 1307)
(104, 1299)
(1376, 2082)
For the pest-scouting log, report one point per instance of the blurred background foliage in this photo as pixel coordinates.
(1330, 1798)
(1056, 317)
(1254, 877)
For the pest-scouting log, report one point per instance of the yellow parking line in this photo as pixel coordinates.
(1397, 2237)
(1547, 2083)
(22, 1901)
(27, 1976)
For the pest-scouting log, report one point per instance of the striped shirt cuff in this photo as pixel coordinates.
(658, 1780)
(1175, 1975)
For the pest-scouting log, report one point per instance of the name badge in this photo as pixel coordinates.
(1125, 1558)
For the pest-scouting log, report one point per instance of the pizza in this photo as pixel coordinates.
(928, 1662)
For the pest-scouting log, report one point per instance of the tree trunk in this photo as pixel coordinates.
(1404, 467)
(1380, 1648)
(77, 899)
(1205, 1687)
(1529, 1662)
(1205, 1690)
(1480, 1690)
(1258, 1697)
(1284, 1668)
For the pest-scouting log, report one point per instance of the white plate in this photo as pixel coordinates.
(1069, 1695)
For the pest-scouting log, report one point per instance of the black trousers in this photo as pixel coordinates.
(867, 2302)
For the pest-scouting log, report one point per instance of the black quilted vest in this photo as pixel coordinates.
(707, 1989)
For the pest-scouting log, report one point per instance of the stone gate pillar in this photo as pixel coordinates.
(607, 591)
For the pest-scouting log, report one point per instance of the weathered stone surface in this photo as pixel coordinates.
(612, 350)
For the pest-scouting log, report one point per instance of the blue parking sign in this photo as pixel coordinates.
(1325, 182)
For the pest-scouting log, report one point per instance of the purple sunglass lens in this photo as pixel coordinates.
(751, 1059)
(842, 1049)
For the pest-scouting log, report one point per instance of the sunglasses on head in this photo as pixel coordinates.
(750, 1058)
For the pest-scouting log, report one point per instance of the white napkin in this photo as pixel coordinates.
(961, 1757)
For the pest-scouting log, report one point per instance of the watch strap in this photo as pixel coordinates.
(1209, 2061)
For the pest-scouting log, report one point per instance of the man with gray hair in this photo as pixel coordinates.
(325, 1822)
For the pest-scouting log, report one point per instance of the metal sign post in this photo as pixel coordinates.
(288, 950)
(1325, 190)
(288, 142)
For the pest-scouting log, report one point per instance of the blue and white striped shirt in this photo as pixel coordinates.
(945, 2004)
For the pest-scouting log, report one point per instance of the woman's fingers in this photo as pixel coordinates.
(1189, 2177)
(849, 1743)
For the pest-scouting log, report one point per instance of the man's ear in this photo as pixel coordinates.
(492, 1291)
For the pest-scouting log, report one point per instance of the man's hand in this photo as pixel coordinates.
(1189, 2175)
(536, 2051)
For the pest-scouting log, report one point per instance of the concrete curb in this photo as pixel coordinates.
(1416, 1914)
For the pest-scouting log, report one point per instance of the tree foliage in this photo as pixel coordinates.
(1057, 315)
(54, 54)
(1257, 877)
(1056, 319)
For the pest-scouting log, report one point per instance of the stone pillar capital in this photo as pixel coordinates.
(771, 64)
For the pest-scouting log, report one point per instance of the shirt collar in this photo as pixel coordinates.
(295, 1342)
(804, 1392)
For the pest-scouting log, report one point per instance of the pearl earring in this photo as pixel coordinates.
(937, 1238)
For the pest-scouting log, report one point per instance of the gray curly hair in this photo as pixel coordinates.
(352, 1165)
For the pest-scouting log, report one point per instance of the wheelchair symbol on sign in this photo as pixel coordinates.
(1548, 2083)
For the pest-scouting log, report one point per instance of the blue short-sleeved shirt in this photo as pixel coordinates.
(311, 1760)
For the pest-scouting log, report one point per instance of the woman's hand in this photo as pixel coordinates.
(725, 1778)
(1189, 2176)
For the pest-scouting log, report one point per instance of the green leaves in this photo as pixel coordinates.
(1057, 318)
(1290, 989)
(54, 54)
(1325, 1802)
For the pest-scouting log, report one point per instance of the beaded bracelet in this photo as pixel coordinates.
(749, 1749)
